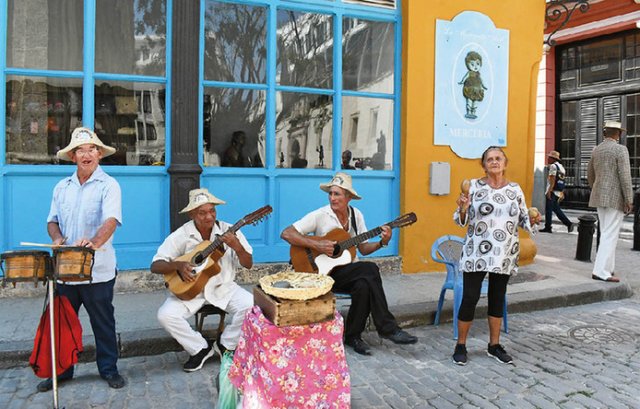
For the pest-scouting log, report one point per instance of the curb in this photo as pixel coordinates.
(157, 341)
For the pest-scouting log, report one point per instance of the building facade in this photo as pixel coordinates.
(260, 101)
(590, 75)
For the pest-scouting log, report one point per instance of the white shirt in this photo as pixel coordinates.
(219, 288)
(323, 220)
(554, 169)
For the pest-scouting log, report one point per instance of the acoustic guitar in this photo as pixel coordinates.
(205, 256)
(308, 260)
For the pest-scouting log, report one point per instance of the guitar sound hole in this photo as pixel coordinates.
(336, 251)
(197, 259)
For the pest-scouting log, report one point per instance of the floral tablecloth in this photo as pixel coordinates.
(301, 366)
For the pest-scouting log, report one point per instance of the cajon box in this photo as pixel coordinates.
(283, 312)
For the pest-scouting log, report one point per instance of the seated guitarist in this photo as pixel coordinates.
(220, 290)
(361, 279)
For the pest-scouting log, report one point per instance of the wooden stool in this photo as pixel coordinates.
(206, 310)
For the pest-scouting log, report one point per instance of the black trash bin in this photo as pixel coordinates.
(586, 228)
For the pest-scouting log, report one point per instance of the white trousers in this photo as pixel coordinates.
(610, 223)
(173, 316)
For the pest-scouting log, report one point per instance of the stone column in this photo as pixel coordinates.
(184, 169)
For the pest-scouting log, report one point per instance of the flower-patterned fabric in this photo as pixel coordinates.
(302, 366)
(492, 223)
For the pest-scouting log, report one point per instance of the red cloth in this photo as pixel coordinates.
(68, 334)
(300, 366)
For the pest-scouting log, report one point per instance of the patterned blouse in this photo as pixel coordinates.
(493, 217)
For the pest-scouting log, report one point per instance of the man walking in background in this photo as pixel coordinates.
(611, 193)
(555, 193)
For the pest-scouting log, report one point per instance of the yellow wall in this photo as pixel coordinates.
(435, 213)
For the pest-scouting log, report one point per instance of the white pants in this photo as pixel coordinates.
(610, 223)
(173, 316)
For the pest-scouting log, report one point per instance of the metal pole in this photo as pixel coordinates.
(636, 220)
(54, 361)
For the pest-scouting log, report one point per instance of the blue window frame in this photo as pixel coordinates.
(104, 76)
(273, 135)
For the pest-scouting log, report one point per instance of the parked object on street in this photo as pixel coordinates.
(586, 228)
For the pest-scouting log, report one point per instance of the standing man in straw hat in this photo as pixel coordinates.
(361, 279)
(85, 211)
(611, 193)
(555, 193)
(221, 289)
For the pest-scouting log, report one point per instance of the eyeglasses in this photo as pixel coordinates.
(84, 152)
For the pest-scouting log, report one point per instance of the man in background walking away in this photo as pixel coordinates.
(555, 193)
(611, 193)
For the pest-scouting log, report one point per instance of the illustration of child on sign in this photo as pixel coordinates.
(472, 86)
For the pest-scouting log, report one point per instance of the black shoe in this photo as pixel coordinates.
(358, 345)
(401, 337)
(47, 384)
(196, 361)
(545, 230)
(570, 228)
(115, 381)
(497, 351)
(460, 355)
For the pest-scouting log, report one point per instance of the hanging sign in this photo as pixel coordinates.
(471, 84)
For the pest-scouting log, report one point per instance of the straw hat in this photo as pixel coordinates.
(613, 125)
(199, 197)
(83, 136)
(341, 180)
(554, 154)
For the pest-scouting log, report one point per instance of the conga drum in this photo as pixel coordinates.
(73, 263)
(24, 266)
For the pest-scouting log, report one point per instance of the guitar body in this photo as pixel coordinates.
(203, 271)
(306, 260)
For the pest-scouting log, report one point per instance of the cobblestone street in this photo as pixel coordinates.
(576, 357)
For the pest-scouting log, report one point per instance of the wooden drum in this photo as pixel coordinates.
(73, 263)
(25, 265)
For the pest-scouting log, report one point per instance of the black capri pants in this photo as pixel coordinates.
(471, 294)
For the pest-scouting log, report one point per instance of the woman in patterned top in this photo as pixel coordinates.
(492, 210)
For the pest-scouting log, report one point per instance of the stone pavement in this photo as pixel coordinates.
(574, 357)
(554, 280)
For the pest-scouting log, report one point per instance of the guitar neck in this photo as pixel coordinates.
(355, 240)
(218, 241)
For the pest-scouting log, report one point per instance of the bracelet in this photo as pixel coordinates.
(382, 244)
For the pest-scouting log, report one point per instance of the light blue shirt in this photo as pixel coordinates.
(80, 210)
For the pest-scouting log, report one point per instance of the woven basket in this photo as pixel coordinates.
(304, 286)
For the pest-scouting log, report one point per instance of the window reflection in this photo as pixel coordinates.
(235, 38)
(367, 139)
(45, 34)
(130, 117)
(305, 49)
(131, 38)
(367, 55)
(304, 129)
(40, 115)
(234, 127)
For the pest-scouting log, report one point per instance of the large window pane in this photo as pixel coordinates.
(130, 116)
(40, 115)
(367, 55)
(601, 61)
(131, 37)
(234, 130)
(305, 49)
(304, 124)
(367, 133)
(235, 38)
(45, 34)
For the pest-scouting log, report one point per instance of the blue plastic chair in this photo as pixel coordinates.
(448, 250)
